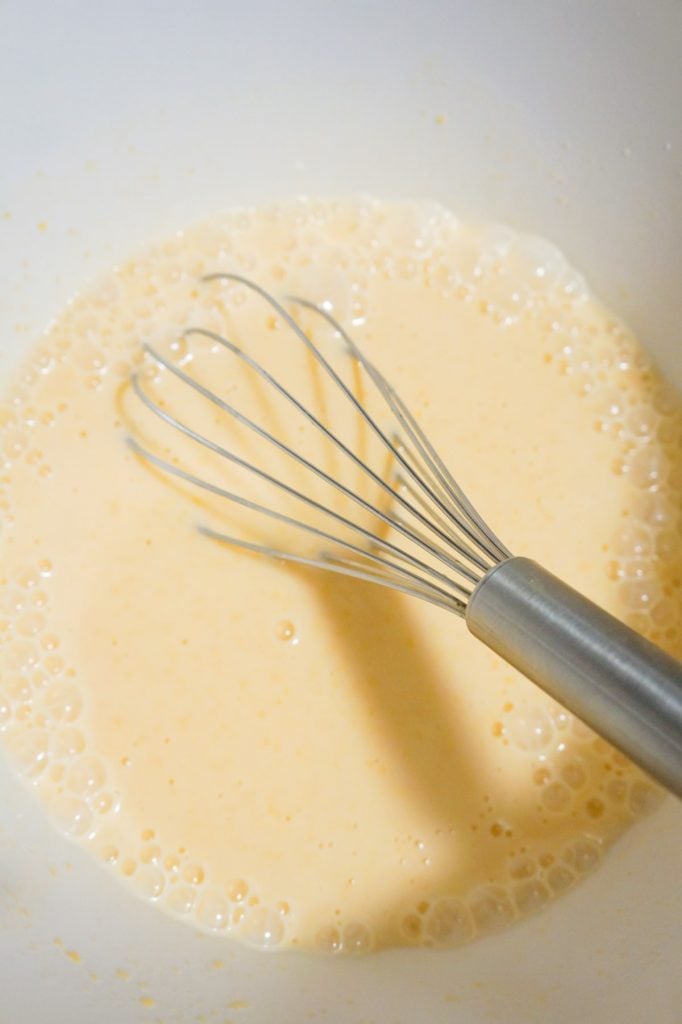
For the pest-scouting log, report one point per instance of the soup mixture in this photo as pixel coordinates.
(288, 757)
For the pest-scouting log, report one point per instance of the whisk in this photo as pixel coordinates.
(423, 537)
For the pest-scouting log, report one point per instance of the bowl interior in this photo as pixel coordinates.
(127, 122)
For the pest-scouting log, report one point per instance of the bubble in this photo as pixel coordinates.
(617, 790)
(54, 664)
(559, 878)
(492, 909)
(71, 815)
(13, 444)
(262, 927)
(13, 600)
(103, 803)
(648, 467)
(530, 895)
(193, 874)
(44, 362)
(573, 286)
(644, 798)
(39, 680)
(63, 702)
(636, 569)
(238, 890)
(556, 797)
(582, 381)
(608, 403)
(30, 624)
(358, 312)
(21, 655)
(86, 776)
(5, 711)
(181, 899)
(33, 457)
(668, 545)
(531, 730)
(448, 923)
(29, 752)
(583, 855)
(18, 688)
(573, 774)
(356, 938)
(179, 350)
(540, 261)
(150, 881)
(641, 422)
(213, 911)
(67, 743)
(151, 371)
(328, 939)
(87, 357)
(286, 631)
(652, 508)
(664, 614)
(27, 578)
(150, 854)
(108, 853)
(632, 542)
(522, 866)
(561, 718)
(640, 594)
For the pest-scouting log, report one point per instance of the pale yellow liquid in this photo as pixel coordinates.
(285, 756)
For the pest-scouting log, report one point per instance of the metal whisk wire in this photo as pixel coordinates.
(627, 689)
(450, 531)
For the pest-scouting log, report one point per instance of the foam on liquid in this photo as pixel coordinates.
(295, 759)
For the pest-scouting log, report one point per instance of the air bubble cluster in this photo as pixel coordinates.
(583, 792)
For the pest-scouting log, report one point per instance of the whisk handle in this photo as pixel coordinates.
(620, 684)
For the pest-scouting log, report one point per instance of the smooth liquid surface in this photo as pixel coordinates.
(293, 758)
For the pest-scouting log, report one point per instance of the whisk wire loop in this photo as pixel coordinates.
(427, 508)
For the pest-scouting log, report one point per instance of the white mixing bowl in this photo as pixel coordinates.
(125, 121)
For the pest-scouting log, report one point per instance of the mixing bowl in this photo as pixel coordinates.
(124, 122)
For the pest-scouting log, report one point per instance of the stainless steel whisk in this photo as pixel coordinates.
(620, 684)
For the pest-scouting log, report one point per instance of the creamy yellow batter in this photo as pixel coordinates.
(284, 756)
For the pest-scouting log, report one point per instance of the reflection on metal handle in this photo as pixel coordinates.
(621, 685)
